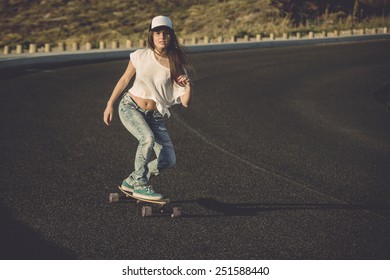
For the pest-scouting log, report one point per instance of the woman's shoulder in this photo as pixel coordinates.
(139, 55)
(141, 52)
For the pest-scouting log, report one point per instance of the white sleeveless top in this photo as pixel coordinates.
(153, 81)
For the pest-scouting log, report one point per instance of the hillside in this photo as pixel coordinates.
(25, 21)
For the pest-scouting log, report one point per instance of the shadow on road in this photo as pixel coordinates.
(19, 242)
(252, 209)
(217, 208)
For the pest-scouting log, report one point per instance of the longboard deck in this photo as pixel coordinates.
(161, 201)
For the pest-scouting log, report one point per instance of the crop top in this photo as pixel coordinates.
(153, 81)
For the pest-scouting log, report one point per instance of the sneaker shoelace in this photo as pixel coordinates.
(149, 189)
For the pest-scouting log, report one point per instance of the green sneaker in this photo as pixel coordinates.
(146, 192)
(127, 187)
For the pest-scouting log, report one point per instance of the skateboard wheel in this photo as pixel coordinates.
(113, 197)
(176, 212)
(146, 211)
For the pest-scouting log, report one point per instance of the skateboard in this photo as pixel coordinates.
(147, 210)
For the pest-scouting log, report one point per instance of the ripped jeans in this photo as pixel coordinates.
(149, 129)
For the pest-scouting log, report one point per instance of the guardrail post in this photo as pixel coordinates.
(75, 46)
(272, 36)
(47, 48)
(220, 39)
(298, 35)
(114, 45)
(19, 49)
(206, 40)
(88, 46)
(102, 45)
(258, 37)
(194, 40)
(6, 50)
(61, 47)
(311, 34)
(32, 48)
(285, 36)
(129, 44)
(142, 43)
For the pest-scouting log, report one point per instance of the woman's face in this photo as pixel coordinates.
(161, 39)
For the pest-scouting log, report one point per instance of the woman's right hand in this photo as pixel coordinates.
(108, 113)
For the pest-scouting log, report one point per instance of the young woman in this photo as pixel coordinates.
(161, 81)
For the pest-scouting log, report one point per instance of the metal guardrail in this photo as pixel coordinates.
(53, 56)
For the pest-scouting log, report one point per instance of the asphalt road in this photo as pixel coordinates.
(284, 154)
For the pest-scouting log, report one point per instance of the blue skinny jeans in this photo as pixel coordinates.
(149, 129)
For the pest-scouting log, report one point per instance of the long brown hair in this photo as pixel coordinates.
(178, 60)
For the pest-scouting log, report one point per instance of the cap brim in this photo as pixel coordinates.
(161, 27)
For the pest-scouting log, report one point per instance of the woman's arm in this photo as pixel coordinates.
(119, 88)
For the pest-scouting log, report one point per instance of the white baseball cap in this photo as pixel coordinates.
(161, 21)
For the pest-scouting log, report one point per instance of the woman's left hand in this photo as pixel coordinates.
(184, 81)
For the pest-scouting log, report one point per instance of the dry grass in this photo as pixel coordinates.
(53, 21)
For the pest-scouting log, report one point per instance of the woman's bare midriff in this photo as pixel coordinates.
(146, 104)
